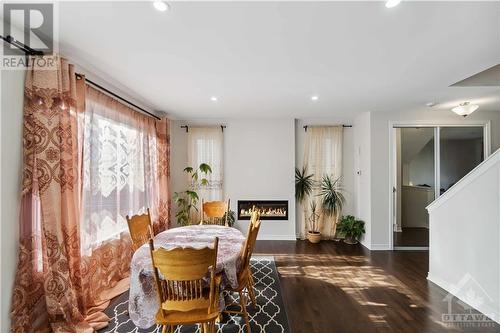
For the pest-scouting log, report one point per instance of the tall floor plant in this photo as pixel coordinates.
(332, 199)
(304, 184)
(187, 200)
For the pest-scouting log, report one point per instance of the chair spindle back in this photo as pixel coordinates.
(141, 230)
(215, 212)
(248, 247)
(182, 287)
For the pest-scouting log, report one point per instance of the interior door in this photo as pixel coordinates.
(429, 161)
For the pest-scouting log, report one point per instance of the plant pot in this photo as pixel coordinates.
(314, 236)
(350, 240)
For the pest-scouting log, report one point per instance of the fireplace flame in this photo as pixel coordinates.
(269, 212)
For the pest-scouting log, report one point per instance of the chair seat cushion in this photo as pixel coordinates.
(187, 317)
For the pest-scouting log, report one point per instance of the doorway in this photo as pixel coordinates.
(428, 160)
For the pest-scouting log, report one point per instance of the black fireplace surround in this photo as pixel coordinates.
(269, 209)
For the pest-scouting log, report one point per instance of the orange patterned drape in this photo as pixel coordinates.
(58, 287)
(163, 201)
(48, 279)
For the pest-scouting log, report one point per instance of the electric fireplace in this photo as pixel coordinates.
(269, 209)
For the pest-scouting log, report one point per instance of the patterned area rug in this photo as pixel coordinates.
(269, 316)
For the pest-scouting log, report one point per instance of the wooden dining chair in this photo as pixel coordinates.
(245, 280)
(215, 212)
(141, 230)
(183, 294)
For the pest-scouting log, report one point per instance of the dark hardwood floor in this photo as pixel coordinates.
(335, 287)
(412, 237)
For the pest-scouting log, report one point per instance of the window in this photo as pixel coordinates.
(119, 163)
(323, 151)
(205, 145)
(322, 156)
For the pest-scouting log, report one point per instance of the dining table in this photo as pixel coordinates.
(143, 295)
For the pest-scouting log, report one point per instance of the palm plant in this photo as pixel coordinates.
(332, 199)
(188, 200)
(304, 184)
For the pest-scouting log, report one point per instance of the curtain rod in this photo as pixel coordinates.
(23, 47)
(79, 77)
(187, 127)
(32, 52)
(345, 126)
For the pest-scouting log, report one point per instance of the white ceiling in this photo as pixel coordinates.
(265, 59)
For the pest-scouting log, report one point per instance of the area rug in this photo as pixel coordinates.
(269, 316)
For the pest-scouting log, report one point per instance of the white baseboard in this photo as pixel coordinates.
(379, 247)
(447, 287)
(411, 248)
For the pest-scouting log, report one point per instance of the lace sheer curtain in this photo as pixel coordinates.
(122, 175)
(205, 145)
(323, 156)
(118, 168)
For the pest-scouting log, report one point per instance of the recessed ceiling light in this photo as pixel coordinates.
(314, 98)
(161, 5)
(465, 109)
(213, 98)
(431, 104)
(392, 3)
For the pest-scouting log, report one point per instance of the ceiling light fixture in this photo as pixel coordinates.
(465, 109)
(161, 5)
(392, 3)
(314, 98)
(213, 99)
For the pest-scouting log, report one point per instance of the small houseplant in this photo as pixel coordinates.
(187, 200)
(332, 199)
(314, 233)
(351, 228)
(231, 218)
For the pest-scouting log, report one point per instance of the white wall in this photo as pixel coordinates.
(12, 87)
(380, 160)
(464, 240)
(362, 168)
(348, 171)
(259, 163)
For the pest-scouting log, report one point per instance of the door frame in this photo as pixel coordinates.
(393, 125)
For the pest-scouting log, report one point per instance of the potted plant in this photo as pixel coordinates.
(332, 199)
(187, 200)
(351, 228)
(314, 233)
(231, 218)
(303, 187)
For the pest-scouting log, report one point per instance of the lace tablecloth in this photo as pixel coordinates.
(143, 297)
